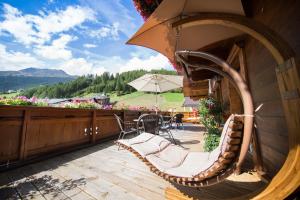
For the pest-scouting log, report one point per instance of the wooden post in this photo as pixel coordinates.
(239, 51)
(123, 116)
(94, 117)
(23, 143)
(257, 158)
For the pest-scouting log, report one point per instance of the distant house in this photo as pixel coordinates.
(102, 99)
(56, 102)
(188, 102)
(11, 91)
(99, 99)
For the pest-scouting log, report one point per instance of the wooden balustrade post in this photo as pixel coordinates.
(94, 117)
(23, 141)
(257, 158)
(123, 116)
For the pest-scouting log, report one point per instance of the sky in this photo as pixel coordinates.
(78, 36)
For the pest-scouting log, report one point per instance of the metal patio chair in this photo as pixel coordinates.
(166, 126)
(126, 127)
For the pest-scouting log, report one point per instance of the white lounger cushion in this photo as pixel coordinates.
(171, 156)
(143, 137)
(194, 163)
(151, 146)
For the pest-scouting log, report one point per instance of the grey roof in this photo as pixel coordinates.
(55, 101)
(188, 102)
(101, 97)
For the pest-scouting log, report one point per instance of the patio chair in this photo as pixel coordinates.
(166, 126)
(149, 122)
(193, 169)
(126, 127)
(178, 120)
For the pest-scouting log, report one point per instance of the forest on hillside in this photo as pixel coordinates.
(105, 83)
(24, 82)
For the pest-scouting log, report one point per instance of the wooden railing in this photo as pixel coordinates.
(191, 117)
(31, 133)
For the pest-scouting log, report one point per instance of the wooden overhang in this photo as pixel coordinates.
(198, 86)
(195, 89)
(221, 49)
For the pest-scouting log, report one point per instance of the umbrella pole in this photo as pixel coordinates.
(156, 102)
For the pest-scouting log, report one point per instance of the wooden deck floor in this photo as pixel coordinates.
(103, 172)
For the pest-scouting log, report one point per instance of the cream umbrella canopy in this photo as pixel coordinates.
(157, 32)
(157, 83)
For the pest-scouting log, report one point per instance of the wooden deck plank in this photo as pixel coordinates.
(95, 185)
(69, 173)
(24, 186)
(104, 171)
(7, 188)
(54, 185)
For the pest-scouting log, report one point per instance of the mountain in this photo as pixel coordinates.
(31, 77)
(35, 72)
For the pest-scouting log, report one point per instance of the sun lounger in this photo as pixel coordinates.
(193, 169)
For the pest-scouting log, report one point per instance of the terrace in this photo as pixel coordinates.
(244, 55)
(102, 172)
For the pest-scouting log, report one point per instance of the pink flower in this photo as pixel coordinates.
(148, 2)
(34, 99)
(22, 98)
(107, 107)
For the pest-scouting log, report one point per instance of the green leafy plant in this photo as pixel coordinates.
(210, 112)
(18, 101)
(82, 105)
(41, 104)
(87, 105)
(22, 101)
(211, 142)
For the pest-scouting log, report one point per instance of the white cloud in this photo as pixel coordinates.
(114, 64)
(38, 29)
(90, 45)
(12, 60)
(106, 32)
(40, 32)
(157, 61)
(115, 11)
(57, 49)
(79, 66)
(17, 25)
(63, 20)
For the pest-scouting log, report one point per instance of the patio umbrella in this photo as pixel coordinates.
(157, 32)
(157, 83)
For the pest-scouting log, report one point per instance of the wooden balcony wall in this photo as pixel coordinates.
(195, 90)
(30, 133)
(282, 17)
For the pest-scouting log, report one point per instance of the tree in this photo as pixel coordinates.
(92, 84)
(105, 77)
(118, 86)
